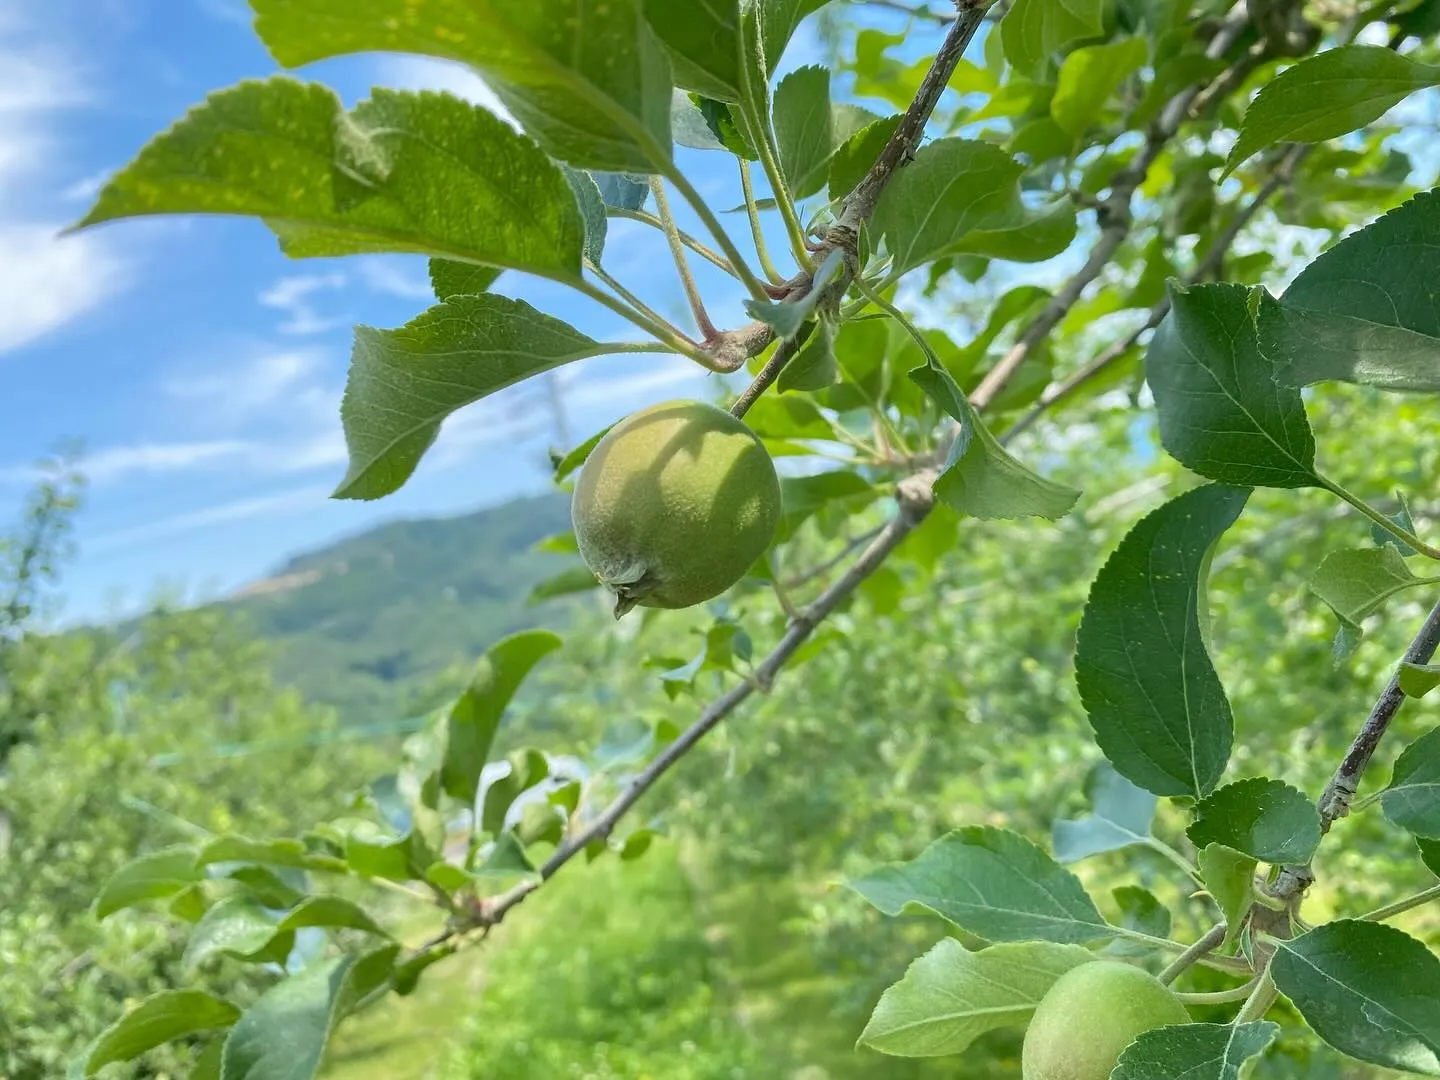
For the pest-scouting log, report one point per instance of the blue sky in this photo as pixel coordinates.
(201, 368)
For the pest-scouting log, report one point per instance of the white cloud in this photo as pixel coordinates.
(288, 380)
(292, 296)
(240, 510)
(48, 280)
(385, 276)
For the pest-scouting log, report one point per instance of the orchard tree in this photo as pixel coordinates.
(1162, 153)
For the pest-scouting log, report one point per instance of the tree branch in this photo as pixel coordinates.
(914, 495)
(1210, 265)
(916, 501)
(1334, 802)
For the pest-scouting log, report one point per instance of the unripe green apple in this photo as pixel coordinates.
(674, 505)
(1091, 1014)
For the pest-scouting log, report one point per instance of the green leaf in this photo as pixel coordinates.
(1417, 680)
(1356, 583)
(592, 210)
(950, 996)
(704, 44)
(475, 717)
(1033, 31)
(1141, 911)
(150, 877)
(1195, 1051)
(574, 579)
(1327, 95)
(814, 367)
(284, 1034)
(380, 178)
(506, 859)
(779, 19)
(1267, 819)
(239, 927)
(993, 883)
(854, 156)
(788, 317)
(404, 383)
(282, 852)
(330, 912)
(527, 768)
(1429, 853)
(980, 478)
(1412, 801)
(1122, 816)
(209, 1061)
(1033, 235)
(159, 1019)
(1370, 991)
(1157, 706)
(1364, 311)
(575, 458)
(372, 854)
(1172, 76)
(623, 191)
(1220, 410)
(1229, 875)
(450, 278)
(952, 187)
(804, 131)
(587, 79)
(1088, 76)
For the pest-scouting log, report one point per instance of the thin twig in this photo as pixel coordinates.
(1115, 218)
(821, 569)
(765, 378)
(1334, 802)
(1208, 943)
(916, 500)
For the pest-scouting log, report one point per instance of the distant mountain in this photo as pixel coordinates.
(365, 622)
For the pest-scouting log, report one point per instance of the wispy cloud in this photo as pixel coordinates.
(265, 380)
(292, 296)
(384, 275)
(46, 280)
(284, 502)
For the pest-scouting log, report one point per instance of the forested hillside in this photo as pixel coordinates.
(364, 623)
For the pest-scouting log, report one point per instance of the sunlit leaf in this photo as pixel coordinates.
(283, 1035)
(475, 717)
(980, 478)
(1088, 76)
(404, 383)
(162, 1018)
(588, 79)
(1035, 30)
(993, 883)
(1356, 583)
(379, 178)
(1327, 95)
(150, 877)
(950, 996)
